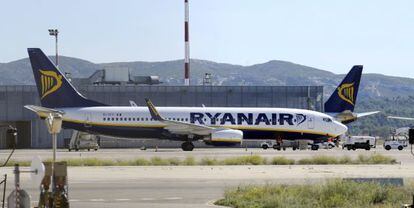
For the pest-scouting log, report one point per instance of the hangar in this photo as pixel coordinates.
(33, 132)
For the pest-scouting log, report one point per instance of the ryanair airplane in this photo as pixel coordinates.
(214, 125)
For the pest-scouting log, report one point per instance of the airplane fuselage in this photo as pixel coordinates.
(256, 123)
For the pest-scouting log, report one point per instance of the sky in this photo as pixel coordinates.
(326, 34)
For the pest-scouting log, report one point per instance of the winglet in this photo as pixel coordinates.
(153, 111)
(132, 103)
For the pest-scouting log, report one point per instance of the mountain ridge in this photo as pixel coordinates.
(274, 72)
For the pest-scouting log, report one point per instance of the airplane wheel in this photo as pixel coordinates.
(187, 146)
(276, 147)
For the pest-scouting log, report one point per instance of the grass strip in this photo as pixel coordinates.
(240, 160)
(346, 160)
(336, 193)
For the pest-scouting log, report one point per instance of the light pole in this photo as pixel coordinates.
(54, 126)
(55, 32)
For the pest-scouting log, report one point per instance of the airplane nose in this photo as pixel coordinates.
(340, 128)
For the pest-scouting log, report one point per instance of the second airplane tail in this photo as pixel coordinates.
(54, 89)
(345, 95)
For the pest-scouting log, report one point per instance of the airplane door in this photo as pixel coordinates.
(311, 122)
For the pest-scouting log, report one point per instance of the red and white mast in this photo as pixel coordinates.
(187, 46)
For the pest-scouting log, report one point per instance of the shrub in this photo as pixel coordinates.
(189, 161)
(209, 161)
(140, 162)
(376, 159)
(282, 161)
(157, 161)
(174, 161)
(244, 160)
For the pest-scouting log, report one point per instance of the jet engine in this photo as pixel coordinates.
(225, 137)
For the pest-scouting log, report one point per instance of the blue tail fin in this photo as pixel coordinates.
(344, 97)
(54, 89)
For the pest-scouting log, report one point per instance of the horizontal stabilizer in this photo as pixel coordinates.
(348, 116)
(359, 115)
(42, 111)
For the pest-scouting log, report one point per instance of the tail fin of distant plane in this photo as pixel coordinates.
(54, 89)
(344, 97)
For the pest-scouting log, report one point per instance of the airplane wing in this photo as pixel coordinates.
(42, 111)
(400, 118)
(179, 127)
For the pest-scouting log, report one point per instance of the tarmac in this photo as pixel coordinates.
(196, 186)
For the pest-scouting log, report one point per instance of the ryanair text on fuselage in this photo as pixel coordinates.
(247, 118)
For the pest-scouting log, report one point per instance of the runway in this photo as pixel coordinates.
(195, 186)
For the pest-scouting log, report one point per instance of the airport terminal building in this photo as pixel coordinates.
(33, 131)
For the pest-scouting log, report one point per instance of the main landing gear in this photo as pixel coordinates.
(187, 146)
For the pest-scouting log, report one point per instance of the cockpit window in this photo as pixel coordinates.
(327, 119)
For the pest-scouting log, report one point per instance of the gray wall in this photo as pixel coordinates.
(13, 98)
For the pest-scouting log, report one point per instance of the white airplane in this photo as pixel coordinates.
(214, 125)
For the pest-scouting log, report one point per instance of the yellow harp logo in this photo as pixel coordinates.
(346, 92)
(50, 82)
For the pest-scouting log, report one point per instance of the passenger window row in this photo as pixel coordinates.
(178, 119)
(126, 119)
(140, 119)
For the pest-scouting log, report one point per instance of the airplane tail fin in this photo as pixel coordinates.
(344, 97)
(54, 89)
